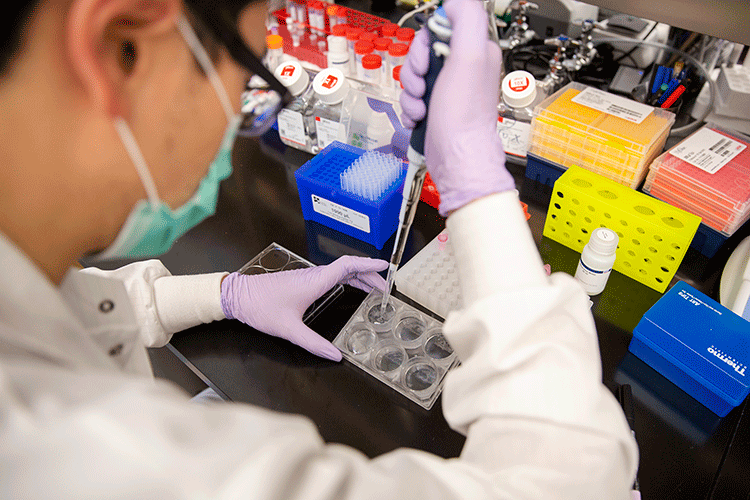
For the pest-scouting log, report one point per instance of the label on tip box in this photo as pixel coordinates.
(708, 150)
(341, 213)
(614, 105)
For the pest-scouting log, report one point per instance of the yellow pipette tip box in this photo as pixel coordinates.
(570, 133)
(654, 236)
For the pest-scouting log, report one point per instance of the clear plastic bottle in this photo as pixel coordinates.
(597, 259)
(405, 35)
(396, 57)
(331, 87)
(388, 30)
(296, 122)
(381, 49)
(520, 93)
(352, 35)
(274, 44)
(371, 64)
(316, 15)
(361, 49)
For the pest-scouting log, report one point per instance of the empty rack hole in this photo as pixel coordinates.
(587, 219)
(571, 212)
(626, 264)
(642, 271)
(640, 230)
(559, 193)
(657, 237)
(652, 250)
(671, 221)
(575, 201)
(566, 235)
(643, 210)
(636, 242)
(675, 246)
(557, 206)
(581, 183)
(670, 258)
(569, 224)
(624, 223)
(583, 230)
(664, 269)
(591, 208)
(607, 215)
(607, 194)
(659, 280)
(631, 253)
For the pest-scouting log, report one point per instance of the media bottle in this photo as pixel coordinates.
(330, 87)
(597, 259)
(519, 95)
(296, 123)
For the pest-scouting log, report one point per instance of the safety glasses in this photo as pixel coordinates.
(220, 18)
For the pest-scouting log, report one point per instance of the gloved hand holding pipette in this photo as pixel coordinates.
(463, 150)
(274, 303)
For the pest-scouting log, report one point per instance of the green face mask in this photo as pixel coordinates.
(152, 227)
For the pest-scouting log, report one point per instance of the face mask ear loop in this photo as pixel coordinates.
(131, 146)
(204, 60)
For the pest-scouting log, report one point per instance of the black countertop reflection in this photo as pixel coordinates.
(686, 451)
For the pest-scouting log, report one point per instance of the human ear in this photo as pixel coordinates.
(103, 39)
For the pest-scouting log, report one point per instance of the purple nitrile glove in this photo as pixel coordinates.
(274, 303)
(463, 150)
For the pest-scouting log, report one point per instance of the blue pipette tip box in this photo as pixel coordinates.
(324, 201)
(699, 345)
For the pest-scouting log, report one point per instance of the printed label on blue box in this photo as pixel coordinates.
(341, 213)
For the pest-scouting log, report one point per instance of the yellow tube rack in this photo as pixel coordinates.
(654, 236)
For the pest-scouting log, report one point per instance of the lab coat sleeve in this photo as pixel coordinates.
(164, 304)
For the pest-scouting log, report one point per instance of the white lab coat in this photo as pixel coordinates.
(81, 417)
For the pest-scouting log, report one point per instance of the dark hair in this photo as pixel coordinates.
(15, 16)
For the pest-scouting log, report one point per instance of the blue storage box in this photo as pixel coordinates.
(708, 241)
(324, 201)
(542, 170)
(698, 344)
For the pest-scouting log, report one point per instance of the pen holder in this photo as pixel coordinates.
(654, 236)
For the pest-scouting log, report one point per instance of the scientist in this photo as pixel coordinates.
(112, 115)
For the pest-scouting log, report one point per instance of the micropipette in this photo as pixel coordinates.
(440, 34)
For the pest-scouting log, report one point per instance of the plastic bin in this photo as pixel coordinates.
(688, 176)
(569, 133)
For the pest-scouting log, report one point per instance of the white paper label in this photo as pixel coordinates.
(708, 150)
(613, 105)
(291, 127)
(341, 213)
(515, 136)
(328, 131)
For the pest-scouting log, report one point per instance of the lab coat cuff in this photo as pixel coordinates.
(183, 302)
(493, 247)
